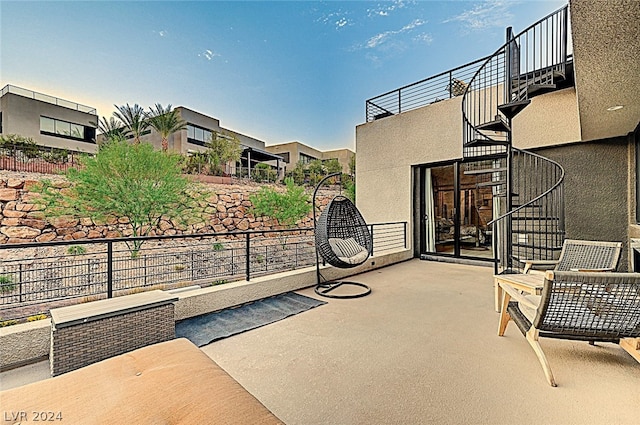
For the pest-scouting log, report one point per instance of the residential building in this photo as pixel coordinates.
(48, 120)
(296, 152)
(198, 132)
(544, 139)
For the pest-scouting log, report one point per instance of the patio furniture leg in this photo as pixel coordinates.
(532, 338)
(498, 295)
(505, 317)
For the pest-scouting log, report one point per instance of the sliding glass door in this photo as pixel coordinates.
(455, 209)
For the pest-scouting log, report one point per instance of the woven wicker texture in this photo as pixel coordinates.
(578, 254)
(341, 220)
(591, 305)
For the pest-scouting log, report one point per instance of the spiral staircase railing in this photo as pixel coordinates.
(528, 191)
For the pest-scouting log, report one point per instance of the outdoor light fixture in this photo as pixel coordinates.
(615, 108)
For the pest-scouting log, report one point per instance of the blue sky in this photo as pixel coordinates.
(275, 70)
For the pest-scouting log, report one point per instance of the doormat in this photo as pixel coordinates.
(205, 329)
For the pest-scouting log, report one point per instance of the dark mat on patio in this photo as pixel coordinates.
(202, 330)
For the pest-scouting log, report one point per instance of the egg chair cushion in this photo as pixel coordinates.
(348, 250)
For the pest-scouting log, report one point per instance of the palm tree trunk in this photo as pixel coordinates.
(165, 144)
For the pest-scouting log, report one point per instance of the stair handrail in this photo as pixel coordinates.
(537, 198)
(503, 50)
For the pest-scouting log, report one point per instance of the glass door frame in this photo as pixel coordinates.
(422, 213)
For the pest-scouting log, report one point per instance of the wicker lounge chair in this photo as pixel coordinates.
(591, 307)
(581, 255)
(576, 255)
(342, 240)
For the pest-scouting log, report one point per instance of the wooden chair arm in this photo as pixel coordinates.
(517, 296)
(604, 269)
(528, 264)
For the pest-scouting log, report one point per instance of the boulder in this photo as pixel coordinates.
(8, 194)
(64, 222)
(46, 237)
(20, 232)
(15, 183)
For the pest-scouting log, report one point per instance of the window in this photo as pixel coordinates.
(285, 156)
(198, 135)
(305, 159)
(66, 130)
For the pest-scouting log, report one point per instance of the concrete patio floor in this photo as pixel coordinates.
(421, 349)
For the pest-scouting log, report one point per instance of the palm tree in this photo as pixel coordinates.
(134, 119)
(112, 129)
(165, 122)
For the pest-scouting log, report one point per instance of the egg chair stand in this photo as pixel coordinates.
(342, 240)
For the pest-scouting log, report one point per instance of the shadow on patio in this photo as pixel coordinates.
(423, 348)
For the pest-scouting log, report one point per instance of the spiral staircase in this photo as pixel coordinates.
(528, 196)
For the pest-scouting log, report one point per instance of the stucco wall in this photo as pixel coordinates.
(387, 148)
(21, 115)
(550, 119)
(596, 196)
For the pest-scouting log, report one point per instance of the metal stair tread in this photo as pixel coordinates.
(485, 170)
(512, 109)
(497, 124)
(485, 142)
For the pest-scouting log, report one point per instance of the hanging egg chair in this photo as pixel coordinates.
(342, 239)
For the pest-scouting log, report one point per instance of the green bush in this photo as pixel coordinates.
(6, 284)
(76, 250)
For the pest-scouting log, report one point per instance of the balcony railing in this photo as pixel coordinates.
(46, 98)
(35, 277)
(446, 85)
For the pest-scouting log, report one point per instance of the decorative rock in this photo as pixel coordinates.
(26, 207)
(112, 234)
(35, 223)
(79, 235)
(243, 225)
(14, 214)
(64, 222)
(15, 183)
(46, 237)
(86, 221)
(8, 194)
(164, 225)
(10, 221)
(30, 184)
(94, 234)
(65, 231)
(227, 222)
(19, 232)
(221, 208)
(18, 240)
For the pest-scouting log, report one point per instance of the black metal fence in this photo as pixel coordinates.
(439, 87)
(38, 276)
(36, 159)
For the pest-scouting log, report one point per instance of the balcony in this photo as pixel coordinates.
(422, 348)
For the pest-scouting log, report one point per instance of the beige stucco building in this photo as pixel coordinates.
(411, 164)
(48, 120)
(296, 152)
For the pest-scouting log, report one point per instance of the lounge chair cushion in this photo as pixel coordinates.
(348, 250)
(173, 382)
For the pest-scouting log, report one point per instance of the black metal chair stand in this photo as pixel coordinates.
(343, 240)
